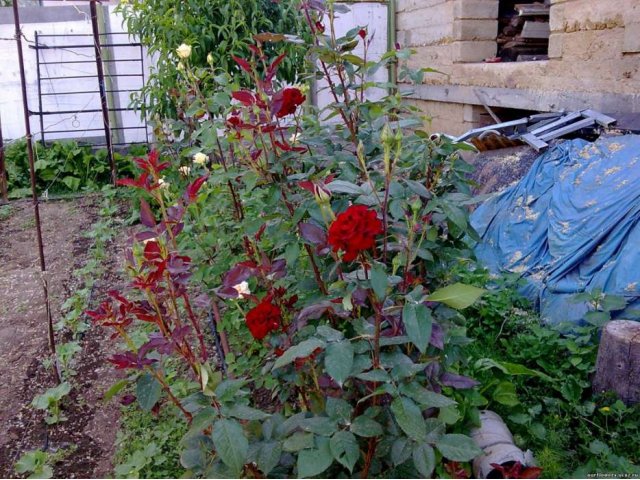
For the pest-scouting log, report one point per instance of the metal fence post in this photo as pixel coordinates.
(102, 88)
(32, 175)
(3, 170)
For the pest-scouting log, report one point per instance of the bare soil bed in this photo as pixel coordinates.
(90, 431)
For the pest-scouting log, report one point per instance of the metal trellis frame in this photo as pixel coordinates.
(58, 83)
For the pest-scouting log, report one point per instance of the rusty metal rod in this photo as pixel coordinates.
(103, 90)
(32, 175)
(3, 170)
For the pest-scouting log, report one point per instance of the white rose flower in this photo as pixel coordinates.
(243, 289)
(295, 138)
(184, 51)
(180, 67)
(185, 170)
(200, 158)
(210, 59)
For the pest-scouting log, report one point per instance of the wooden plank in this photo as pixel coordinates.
(535, 30)
(573, 127)
(534, 142)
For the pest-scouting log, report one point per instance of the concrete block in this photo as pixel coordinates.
(411, 5)
(473, 113)
(631, 38)
(557, 18)
(476, 9)
(556, 41)
(430, 35)
(475, 29)
(441, 14)
(464, 51)
(432, 56)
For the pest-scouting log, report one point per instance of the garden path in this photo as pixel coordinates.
(89, 433)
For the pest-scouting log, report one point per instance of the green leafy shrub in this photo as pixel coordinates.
(327, 249)
(61, 167)
(214, 30)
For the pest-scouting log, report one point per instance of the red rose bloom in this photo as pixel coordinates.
(263, 318)
(354, 231)
(292, 98)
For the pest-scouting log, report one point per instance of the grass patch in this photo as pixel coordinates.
(148, 445)
(5, 212)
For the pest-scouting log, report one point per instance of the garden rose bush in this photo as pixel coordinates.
(321, 255)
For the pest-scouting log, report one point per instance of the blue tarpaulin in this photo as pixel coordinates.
(570, 225)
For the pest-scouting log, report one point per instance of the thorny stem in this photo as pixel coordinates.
(330, 82)
(196, 326)
(314, 266)
(223, 336)
(371, 450)
(385, 221)
(155, 374)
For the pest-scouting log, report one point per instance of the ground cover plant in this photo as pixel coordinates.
(538, 378)
(61, 168)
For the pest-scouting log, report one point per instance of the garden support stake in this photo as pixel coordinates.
(103, 90)
(32, 175)
(3, 171)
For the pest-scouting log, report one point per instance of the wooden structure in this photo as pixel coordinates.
(618, 364)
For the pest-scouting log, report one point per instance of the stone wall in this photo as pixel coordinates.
(594, 59)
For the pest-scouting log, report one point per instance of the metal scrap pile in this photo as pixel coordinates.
(536, 130)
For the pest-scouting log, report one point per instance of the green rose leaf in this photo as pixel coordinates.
(298, 441)
(314, 461)
(148, 391)
(366, 427)
(344, 448)
(417, 322)
(424, 459)
(426, 398)
(457, 447)
(303, 349)
(231, 444)
(409, 417)
(269, 456)
(339, 361)
(458, 295)
(379, 281)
